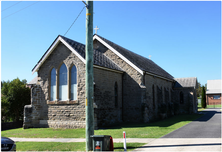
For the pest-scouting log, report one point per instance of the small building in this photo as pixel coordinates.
(213, 92)
(185, 89)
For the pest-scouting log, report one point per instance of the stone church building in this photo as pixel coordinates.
(127, 87)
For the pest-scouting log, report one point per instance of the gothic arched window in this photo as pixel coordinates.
(73, 83)
(53, 85)
(63, 87)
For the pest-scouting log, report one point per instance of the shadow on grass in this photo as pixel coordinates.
(205, 116)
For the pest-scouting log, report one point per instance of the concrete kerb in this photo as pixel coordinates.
(116, 140)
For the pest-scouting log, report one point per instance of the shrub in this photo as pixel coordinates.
(203, 99)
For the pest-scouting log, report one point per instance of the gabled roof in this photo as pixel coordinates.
(140, 63)
(186, 82)
(79, 50)
(213, 87)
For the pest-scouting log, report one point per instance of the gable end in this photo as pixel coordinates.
(51, 49)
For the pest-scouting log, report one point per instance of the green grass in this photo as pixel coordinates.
(136, 130)
(150, 130)
(214, 106)
(44, 133)
(208, 106)
(58, 146)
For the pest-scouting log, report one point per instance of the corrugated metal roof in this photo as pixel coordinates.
(213, 87)
(186, 82)
(141, 62)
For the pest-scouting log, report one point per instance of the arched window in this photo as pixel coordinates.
(181, 98)
(116, 94)
(53, 85)
(73, 83)
(153, 97)
(63, 87)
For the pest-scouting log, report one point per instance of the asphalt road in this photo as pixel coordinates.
(207, 126)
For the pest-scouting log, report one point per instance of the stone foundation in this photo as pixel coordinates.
(62, 124)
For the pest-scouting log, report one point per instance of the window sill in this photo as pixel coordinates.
(62, 102)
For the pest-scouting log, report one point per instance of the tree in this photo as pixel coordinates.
(4, 102)
(15, 95)
(203, 99)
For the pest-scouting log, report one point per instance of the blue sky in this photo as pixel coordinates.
(182, 37)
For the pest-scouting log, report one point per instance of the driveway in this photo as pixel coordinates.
(203, 134)
(208, 126)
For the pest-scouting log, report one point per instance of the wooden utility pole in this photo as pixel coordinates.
(89, 76)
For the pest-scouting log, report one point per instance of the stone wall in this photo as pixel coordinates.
(132, 85)
(57, 114)
(107, 111)
(71, 114)
(190, 100)
(161, 94)
(32, 112)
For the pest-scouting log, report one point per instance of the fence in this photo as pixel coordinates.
(11, 125)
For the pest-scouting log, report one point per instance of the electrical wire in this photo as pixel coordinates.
(11, 6)
(74, 21)
(19, 10)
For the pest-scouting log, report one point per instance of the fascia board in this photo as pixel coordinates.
(160, 77)
(59, 39)
(118, 54)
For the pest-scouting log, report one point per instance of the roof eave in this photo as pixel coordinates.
(172, 80)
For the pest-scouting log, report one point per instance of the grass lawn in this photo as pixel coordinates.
(208, 106)
(58, 146)
(150, 130)
(138, 130)
(214, 106)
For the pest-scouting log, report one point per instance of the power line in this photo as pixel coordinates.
(74, 20)
(11, 6)
(19, 10)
